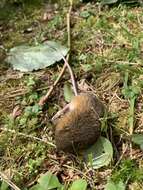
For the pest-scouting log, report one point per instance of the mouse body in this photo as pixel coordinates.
(80, 126)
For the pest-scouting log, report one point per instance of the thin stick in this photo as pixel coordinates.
(8, 181)
(124, 62)
(69, 45)
(27, 136)
(80, 172)
(68, 23)
(19, 93)
(72, 76)
(60, 112)
(66, 64)
(44, 98)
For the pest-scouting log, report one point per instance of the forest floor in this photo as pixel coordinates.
(106, 56)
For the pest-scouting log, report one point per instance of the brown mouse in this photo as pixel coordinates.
(81, 125)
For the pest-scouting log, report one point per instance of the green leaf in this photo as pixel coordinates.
(27, 58)
(131, 91)
(100, 154)
(36, 108)
(115, 186)
(79, 184)
(49, 181)
(68, 93)
(4, 186)
(138, 139)
(36, 187)
(85, 14)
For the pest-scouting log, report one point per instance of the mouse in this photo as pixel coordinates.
(80, 125)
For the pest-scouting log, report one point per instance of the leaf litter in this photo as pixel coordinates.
(112, 90)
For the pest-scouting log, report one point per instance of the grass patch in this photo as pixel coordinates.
(107, 52)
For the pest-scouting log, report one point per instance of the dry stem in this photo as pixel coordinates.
(44, 98)
(8, 181)
(26, 136)
(60, 112)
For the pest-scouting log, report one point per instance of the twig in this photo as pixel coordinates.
(44, 98)
(66, 64)
(124, 62)
(72, 76)
(19, 93)
(8, 181)
(80, 172)
(60, 112)
(68, 23)
(26, 136)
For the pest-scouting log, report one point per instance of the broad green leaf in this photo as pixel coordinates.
(79, 184)
(141, 146)
(36, 187)
(138, 139)
(107, 2)
(100, 154)
(61, 188)
(49, 181)
(4, 186)
(115, 186)
(28, 58)
(68, 92)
